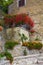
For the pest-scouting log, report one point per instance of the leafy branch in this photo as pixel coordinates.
(23, 37)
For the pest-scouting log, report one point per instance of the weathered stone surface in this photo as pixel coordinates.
(32, 6)
(36, 59)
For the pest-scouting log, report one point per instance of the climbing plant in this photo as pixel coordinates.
(4, 5)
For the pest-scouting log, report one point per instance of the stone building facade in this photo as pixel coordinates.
(34, 8)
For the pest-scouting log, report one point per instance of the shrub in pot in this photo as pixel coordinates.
(1, 55)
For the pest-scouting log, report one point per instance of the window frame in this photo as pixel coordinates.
(18, 3)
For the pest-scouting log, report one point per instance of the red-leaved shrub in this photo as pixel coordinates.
(19, 18)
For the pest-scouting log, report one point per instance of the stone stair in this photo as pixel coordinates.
(36, 59)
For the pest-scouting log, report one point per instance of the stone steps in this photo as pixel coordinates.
(36, 59)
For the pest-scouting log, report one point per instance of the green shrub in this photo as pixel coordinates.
(30, 46)
(1, 55)
(10, 44)
(8, 56)
(34, 45)
(38, 46)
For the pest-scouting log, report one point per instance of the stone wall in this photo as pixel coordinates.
(34, 8)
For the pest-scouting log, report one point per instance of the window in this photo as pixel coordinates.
(21, 3)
